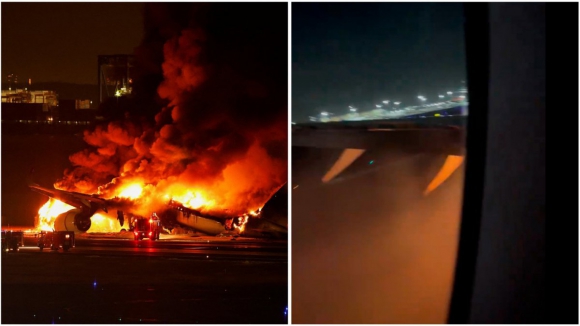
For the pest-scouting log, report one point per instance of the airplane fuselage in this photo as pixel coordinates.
(199, 223)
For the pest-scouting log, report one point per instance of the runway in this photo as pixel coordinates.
(175, 280)
(215, 248)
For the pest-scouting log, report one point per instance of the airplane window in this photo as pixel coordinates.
(379, 102)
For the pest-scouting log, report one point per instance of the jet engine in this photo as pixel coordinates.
(73, 220)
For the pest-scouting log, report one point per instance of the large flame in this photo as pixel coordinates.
(48, 213)
(132, 191)
(100, 222)
(219, 143)
(242, 223)
(194, 200)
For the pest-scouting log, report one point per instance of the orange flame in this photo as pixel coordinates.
(101, 222)
(241, 223)
(48, 213)
(195, 200)
(132, 191)
(146, 199)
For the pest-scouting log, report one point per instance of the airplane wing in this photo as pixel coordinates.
(75, 199)
(431, 135)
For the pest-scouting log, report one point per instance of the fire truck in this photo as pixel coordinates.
(147, 228)
(56, 240)
(12, 240)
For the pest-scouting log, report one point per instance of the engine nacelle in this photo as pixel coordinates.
(73, 220)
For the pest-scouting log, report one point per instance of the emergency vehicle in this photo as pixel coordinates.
(147, 228)
(12, 240)
(56, 240)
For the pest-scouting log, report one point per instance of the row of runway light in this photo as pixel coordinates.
(396, 108)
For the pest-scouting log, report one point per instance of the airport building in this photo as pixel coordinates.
(23, 106)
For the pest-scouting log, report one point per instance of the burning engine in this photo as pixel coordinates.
(73, 220)
(235, 223)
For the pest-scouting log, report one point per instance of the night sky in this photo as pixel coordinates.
(51, 42)
(361, 54)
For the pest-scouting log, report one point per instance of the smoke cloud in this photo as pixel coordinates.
(222, 128)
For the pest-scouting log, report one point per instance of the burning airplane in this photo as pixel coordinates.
(71, 211)
(216, 148)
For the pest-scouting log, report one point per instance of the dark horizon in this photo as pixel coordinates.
(361, 54)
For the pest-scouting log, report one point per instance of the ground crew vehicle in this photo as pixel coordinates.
(12, 240)
(147, 228)
(56, 240)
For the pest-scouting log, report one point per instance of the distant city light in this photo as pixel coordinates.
(386, 102)
(397, 103)
(449, 93)
(379, 106)
(441, 96)
(324, 114)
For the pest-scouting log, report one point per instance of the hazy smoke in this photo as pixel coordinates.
(374, 238)
(223, 128)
